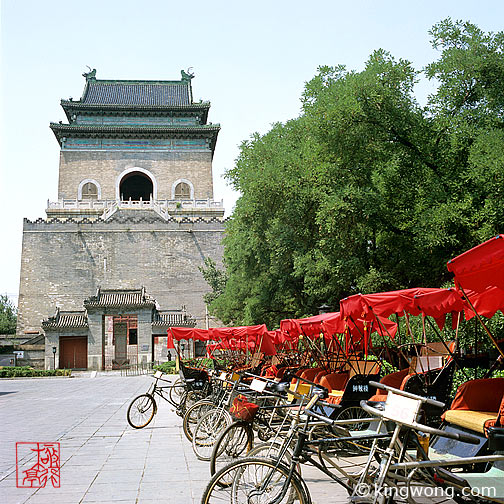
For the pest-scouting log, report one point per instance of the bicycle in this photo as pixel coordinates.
(386, 471)
(142, 408)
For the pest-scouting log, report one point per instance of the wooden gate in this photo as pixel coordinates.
(73, 352)
(121, 345)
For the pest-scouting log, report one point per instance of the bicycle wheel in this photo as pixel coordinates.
(192, 416)
(176, 391)
(192, 398)
(207, 430)
(354, 413)
(141, 411)
(255, 481)
(234, 441)
(271, 450)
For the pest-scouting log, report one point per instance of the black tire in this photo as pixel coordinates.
(193, 397)
(271, 450)
(177, 391)
(207, 430)
(351, 413)
(141, 411)
(192, 416)
(235, 441)
(255, 480)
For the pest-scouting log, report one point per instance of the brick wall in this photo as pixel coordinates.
(106, 168)
(64, 263)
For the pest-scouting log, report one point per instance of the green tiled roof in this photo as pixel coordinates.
(200, 109)
(86, 131)
(137, 93)
(66, 320)
(120, 298)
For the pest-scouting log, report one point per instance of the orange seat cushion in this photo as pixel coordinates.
(311, 373)
(319, 376)
(392, 380)
(479, 395)
(334, 381)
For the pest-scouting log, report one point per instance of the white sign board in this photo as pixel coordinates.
(401, 409)
(258, 385)
(426, 363)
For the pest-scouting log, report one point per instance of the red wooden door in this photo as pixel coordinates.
(73, 352)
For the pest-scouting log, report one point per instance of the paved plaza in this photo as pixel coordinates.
(103, 459)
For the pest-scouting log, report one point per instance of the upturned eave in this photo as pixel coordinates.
(72, 108)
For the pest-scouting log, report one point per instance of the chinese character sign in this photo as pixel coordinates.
(37, 465)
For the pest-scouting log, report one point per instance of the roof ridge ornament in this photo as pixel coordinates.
(91, 75)
(187, 76)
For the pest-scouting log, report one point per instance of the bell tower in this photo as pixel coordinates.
(135, 145)
(134, 221)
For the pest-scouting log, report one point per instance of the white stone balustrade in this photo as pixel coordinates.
(74, 204)
(107, 208)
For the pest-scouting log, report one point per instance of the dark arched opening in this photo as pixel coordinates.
(136, 185)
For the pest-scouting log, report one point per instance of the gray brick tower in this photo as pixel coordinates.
(115, 262)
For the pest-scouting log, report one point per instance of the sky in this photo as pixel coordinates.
(251, 60)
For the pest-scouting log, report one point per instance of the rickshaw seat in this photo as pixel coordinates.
(320, 376)
(334, 381)
(310, 373)
(473, 420)
(335, 396)
(478, 404)
(484, 394)
(392, 380)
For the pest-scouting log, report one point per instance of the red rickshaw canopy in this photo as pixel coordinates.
(382, 304)
(480, 267)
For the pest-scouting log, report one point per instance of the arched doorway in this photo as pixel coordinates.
(135, 186)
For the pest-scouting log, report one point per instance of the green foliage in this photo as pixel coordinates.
(215, 278)
(8, 316)
(367, 190)
(167, 367)
(467, 374)
(27, 371)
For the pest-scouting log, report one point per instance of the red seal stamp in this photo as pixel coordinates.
(37, 465)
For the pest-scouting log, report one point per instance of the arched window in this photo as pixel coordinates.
(182, 191)
(135, 186)
(89, 191)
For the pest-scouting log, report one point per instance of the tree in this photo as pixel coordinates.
(367, 190)
(8, 317)
(215, 278)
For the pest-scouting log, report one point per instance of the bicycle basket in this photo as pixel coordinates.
(242, 409)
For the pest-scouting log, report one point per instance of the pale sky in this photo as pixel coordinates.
(250, 59)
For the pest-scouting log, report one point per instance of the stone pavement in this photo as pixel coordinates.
(104, 460)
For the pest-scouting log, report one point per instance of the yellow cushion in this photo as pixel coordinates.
(472, 420)
(336, 393)
(300, 388)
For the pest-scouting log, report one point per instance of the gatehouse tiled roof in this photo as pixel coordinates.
(167, 93)
(120, 298)
(66, 320)
(175, 319)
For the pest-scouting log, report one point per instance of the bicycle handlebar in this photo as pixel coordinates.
(464, 438)
(425, 400)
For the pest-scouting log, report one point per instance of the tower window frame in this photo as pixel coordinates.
(84, 193)
(182, 191)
